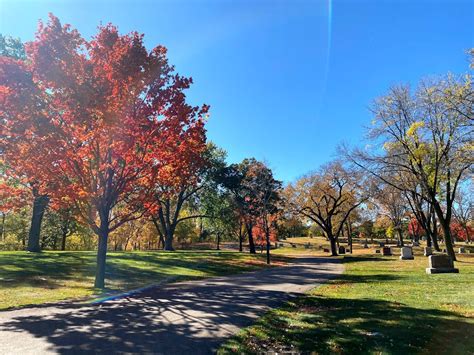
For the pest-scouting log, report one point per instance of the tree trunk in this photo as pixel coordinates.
(349, 236)
(445, 224)
(447, 240)
(169, 240)
(251, 242)
(428, 239)
(332, 240)
(2, 235)
(39, 206)
(267, 237)
(400, 237)
(218, 246)
(241, 241)
(101, 255)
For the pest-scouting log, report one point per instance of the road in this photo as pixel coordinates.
(187, 317)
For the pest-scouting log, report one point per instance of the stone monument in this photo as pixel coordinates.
(441, 264)
(406, 253)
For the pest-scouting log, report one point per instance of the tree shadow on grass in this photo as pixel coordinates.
(51, 269)
(328, 325)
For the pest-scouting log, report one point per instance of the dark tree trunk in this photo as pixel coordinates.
(448, 240)
(428, 239)
(2, 235)
(349, 235)
(169, 240)
(332, 240)
(267, 237)
(251, 242)
(63, 242)
(434, 238)
(241, 238)
(39, 207)
(101, 255)
(218, 246)
(400, 237)
(445, 224)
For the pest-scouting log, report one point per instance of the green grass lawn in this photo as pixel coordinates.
(29, 278)
(380, 305)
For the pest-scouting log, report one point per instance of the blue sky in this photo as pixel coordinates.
(286, 81)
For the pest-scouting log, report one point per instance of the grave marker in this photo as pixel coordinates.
(406, 253)
(441, 264)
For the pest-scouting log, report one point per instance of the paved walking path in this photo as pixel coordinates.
(182, 318)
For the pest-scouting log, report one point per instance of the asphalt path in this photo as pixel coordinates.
(192, 317)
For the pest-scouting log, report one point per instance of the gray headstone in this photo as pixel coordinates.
(406, 253)
(440, 264)
(462, 250)
(386, 251)
(342, 250)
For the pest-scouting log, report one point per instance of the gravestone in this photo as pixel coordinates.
(293, 245)
(306, 246)
(416, 244)
(427, 251)
(342, 250)
(406, 253)
(381, 244)
(326, 250)
(462, 250)
(441, 264)
(366, 246)
(386, 251)
(377, 251)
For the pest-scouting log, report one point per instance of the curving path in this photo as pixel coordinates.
(186, 317)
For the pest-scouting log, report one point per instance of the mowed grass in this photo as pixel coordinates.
(29, 278)
(380, 305)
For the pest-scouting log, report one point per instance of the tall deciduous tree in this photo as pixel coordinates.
(108, 119)
(254, 190)
(327, 198)
(12, 141)
(424, 137)
(202, 164)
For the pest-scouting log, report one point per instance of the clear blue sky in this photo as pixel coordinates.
(286, 80)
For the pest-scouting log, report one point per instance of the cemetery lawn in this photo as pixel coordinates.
(379, 305)
(29, 278)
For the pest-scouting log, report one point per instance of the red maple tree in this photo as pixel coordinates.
(103, 122)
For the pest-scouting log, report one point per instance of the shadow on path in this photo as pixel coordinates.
(178, 318)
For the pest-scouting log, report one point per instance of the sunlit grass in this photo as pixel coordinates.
(380, 305)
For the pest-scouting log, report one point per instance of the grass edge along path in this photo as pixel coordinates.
(28, 279)
(379, 305)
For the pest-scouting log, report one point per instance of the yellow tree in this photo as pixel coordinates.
(327, 197)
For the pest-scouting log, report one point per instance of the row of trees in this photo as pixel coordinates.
(417, 160)
(97, 137)
(100, 132)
